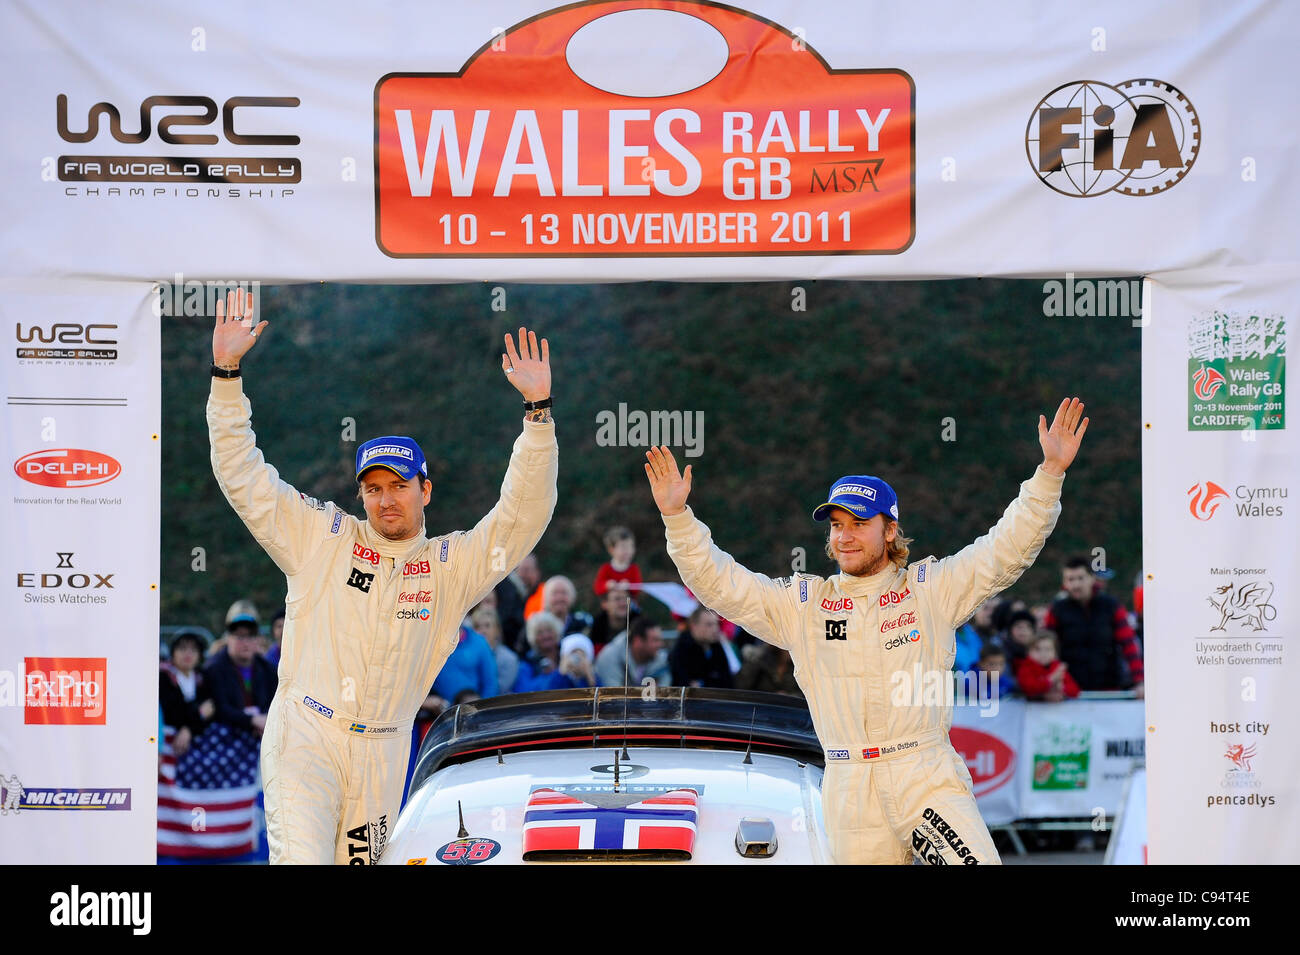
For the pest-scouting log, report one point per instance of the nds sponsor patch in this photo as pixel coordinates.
(742, 142)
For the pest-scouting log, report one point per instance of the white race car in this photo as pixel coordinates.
(616, 774)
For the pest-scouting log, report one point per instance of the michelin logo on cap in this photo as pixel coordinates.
(397, 453)
(860, 494)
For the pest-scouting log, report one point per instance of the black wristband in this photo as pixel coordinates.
(537, 405)
(224, 372)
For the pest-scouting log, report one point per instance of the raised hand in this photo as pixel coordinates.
(528, 368)
(669, 487)
(1060, 442)
(234, 334)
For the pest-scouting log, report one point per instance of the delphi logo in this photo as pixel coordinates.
(1205, 499)
(67, 468)
(1135, 138)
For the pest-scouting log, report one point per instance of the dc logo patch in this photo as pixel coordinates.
(920, 573)
(361, 581)
(803, 591)
(442, 554)
(837, 629)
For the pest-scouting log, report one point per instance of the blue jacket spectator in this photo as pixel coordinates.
(471, 666)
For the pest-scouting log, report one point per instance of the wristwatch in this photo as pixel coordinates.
(225, 372)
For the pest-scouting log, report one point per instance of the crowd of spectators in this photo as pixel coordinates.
(530, 634)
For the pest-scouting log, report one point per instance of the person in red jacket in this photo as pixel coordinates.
(620, 571)
(1041, 675)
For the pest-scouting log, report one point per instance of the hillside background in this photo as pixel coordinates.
(860, 382)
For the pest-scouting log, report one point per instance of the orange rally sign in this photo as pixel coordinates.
(771, 153)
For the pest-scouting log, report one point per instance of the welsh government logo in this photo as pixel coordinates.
(1135, 138)
(1236, 372)
(1205, 499)
(1246, 602)
(1207, 382)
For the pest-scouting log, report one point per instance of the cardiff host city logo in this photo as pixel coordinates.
(1135, 138)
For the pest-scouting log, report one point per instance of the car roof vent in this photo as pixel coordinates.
(756, 837)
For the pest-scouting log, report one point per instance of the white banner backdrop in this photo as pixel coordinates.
(1219, 464)
(78, 747)
(457, 142)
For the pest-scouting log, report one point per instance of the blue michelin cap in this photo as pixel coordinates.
(860, 494)
(397, 453)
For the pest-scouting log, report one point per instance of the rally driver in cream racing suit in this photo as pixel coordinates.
(374, 607)
(894, 788)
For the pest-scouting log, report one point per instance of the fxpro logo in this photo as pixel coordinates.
(220, 171)
(65, 691)
(1135, 138)
(65, 343)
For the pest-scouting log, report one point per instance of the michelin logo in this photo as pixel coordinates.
(396, 449)
(837, 754)
(320, 708)
(868, 492)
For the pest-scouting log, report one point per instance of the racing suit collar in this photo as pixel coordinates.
(866, 586)
(390, 548)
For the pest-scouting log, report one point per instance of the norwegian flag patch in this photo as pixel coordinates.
(608, 821)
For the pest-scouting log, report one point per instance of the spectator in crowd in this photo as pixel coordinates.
(277, 635)
(511, 595)
(1097, 642)
(1041, 675)
(969, 644)
(530, 574)
(769, 669)
(471, 666)
(1003, 611)
(484, 619)
(982, 621)
(699, 657)
(1020, 633)
(643, 645)
(993, 661)
(578, 659)
(181, 690)
(558, 595)
(239, 680)
(620, 571)
(545, 667)
(612, 621)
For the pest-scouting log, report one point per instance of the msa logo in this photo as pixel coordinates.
(1137, 138)
(169, 120)
(837, 629)
(361, 581)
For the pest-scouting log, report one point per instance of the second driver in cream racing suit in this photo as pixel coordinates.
(866, 640)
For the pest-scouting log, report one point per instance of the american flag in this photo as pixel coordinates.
(207, 800)
(607, 820)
